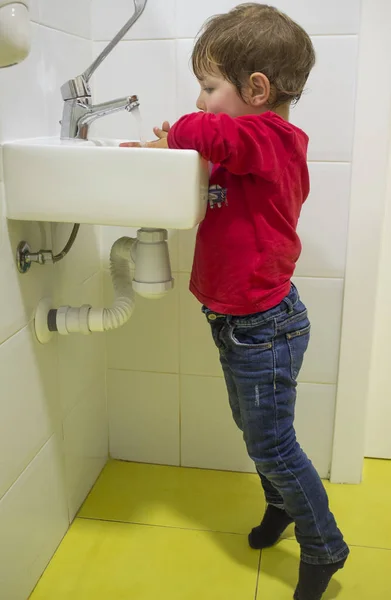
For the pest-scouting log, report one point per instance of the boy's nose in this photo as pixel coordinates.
(200, 105)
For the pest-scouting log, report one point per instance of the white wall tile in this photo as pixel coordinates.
(318, 17)
(2, 205)
(323, 226)
(110, 234)
(186, 243)
(33, 513)
(17, 306)
(211, 440)
(150, 339)
(209, 436)
(156, 22)
(144, 417)
(66, 56)
(33, 519)
(85, 445)
(324, 300)
(83, 260)
(2, 202)
(326, 109)
(82, 359)
(198, 353)
(29, 414)
(315, 16)
(22, 98)
(34, 10)
(187, 85)
(2, 213)
(143, 68)
(315, 423)
(72, 16)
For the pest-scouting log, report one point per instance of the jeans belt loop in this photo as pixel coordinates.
(289, 304)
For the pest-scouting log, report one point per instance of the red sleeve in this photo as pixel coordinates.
(252, 144)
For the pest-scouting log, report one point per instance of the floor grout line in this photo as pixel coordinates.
(161, 526)
(369, 547)
(364, 547)
(290, 539)
(258, 574)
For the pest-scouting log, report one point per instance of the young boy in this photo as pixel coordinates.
(252, 64)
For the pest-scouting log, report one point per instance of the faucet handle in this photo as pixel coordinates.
(76, 88)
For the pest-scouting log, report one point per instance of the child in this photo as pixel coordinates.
(252, 64)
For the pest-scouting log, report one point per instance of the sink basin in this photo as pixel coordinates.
(95, 181)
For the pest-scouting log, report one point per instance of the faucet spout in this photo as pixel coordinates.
(98, 111)
(78, 112)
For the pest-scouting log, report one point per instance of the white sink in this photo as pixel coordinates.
(77, 181)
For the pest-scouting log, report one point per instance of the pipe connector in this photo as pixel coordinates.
(152, 278)
(146, 258)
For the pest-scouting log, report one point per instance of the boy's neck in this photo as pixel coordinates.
(283, 111)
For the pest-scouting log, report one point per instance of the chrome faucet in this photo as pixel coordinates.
(79, 112)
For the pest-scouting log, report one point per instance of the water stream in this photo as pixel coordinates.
(139, 120)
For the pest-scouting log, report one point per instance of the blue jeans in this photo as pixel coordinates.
(261, 356)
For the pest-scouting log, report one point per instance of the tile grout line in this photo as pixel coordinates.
(76, 35)
(186, 272)
(190, 468)
(326, 383)
(19, 330)
(88, 279)
(177, 38)
(258, 575)
(370, 547)
(174, 527)
(178, 528)
(179, 337)
(291, 539)
(27, 465)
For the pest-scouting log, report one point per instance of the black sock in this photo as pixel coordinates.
(269, 531)
(314, 580)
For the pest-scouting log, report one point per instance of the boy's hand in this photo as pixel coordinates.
(161, 142)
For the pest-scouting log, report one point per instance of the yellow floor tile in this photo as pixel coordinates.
(126, 561)
(231, 502)
(363, 511)
(116, 561)
(365, 576)
(176, 497)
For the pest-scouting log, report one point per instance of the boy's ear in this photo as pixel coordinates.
(260, 90)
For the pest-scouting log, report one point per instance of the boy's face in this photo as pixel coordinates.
(220, 96)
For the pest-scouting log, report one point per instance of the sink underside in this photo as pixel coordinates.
(77, 181)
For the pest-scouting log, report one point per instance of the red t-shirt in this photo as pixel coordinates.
(247, 246)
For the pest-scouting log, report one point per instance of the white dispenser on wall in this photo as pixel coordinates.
(15, 32)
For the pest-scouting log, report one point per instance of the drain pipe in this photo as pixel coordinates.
(139, 265)
(85, 319)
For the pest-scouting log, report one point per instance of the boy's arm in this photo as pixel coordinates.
(241, 145)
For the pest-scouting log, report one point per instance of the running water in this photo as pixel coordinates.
(137, 115)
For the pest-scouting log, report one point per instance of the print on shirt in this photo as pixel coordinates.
(217, 196)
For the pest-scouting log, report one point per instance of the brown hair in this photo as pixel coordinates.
(256, 38)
